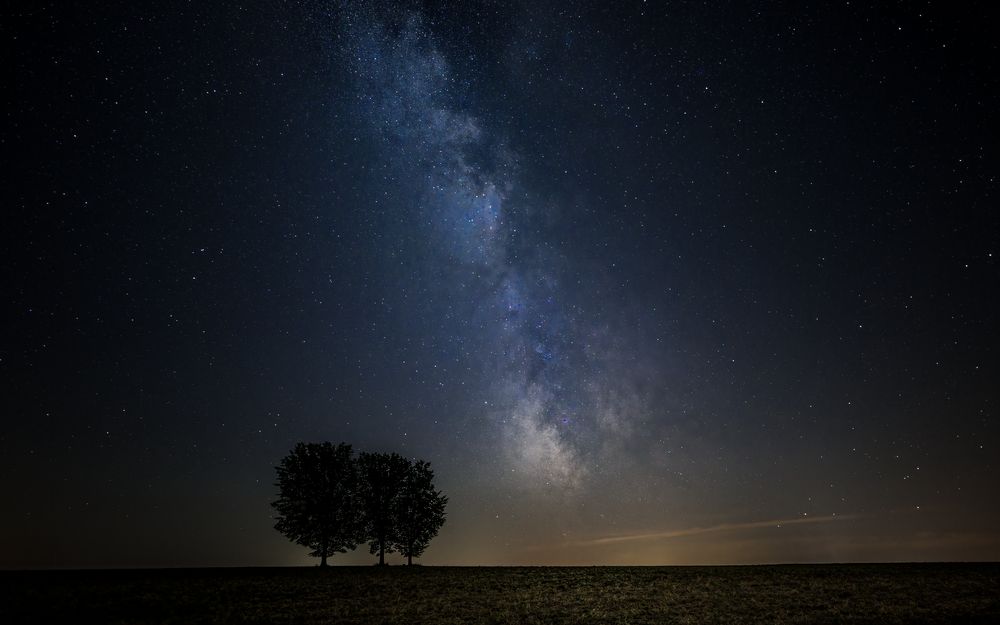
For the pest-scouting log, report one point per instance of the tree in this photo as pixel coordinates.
(380, 479)
(317, 507)
(419, 511)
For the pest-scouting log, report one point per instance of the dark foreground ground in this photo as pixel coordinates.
(881, 593)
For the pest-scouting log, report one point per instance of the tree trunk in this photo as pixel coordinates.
(409, 559)
(381, 553)
(322, 561)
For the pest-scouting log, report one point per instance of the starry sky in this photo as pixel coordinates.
(647, 283)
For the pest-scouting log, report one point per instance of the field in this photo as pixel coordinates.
(879, 593)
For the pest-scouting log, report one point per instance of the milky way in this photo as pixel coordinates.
(552, 403)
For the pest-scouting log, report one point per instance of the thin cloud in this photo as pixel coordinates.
(725, 527)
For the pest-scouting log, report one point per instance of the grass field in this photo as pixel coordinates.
(880, 593)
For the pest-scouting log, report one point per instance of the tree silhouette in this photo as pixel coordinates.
(419, 511)
(317, 507)
(380, 479)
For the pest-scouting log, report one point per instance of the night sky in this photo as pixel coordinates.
(647, 283)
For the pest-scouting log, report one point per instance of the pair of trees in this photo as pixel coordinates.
(329, 501)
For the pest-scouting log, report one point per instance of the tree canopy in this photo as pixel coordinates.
(317, 504)
(330, 501)
(380, 479)
(419, 511)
